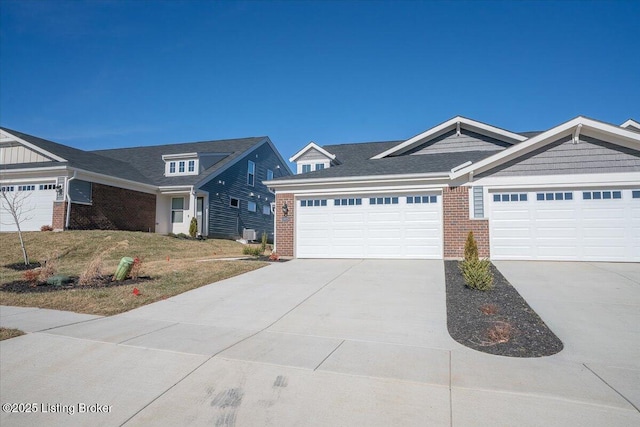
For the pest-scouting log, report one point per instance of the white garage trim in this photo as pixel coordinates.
(595, 224)
(407, 225)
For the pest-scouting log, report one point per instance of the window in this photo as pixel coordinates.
(181, 167)
(313, 202)
(319, 166)
(516, 197)
(47, 187)
(554, 196)
(251, 206)
(266, 210)
(347, 202)
(172, 167)
(192, 166)
(635, 194)
(601, 195)
(421, 199)
(234, 203)
(269, 174)
(177, 209)
(251, 173)
(7, 188)
(26, 187)
(383, 201)
(306, 168)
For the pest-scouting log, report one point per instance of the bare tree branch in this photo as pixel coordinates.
(14, 202)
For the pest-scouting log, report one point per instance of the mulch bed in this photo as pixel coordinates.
(24, 287)
(498, 321)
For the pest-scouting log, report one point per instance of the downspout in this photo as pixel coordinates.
(67, 197)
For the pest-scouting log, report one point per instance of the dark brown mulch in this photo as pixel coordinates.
(509, 318)
(21, 266)
(22, 287)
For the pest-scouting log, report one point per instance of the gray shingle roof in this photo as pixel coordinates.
(140, 164)
(360, 164)
(80, 159)
(148, 160)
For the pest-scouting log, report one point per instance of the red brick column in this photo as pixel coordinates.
(59, 215)
(285, 227)
(455, 205)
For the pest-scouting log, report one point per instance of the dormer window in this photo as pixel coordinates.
(181, 164)
(313, 158)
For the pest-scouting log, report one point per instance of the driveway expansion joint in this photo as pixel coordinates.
(611, 387)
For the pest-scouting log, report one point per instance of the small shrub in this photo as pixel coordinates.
(500, 332)
(263, 244)
(252, 250)
(489, 309)
(135, 268)
(182, 236)
(31, 276)
(48, 268)
(46, 228)
(193, 227)
(477, 274)
(470, 248)
(93, 271)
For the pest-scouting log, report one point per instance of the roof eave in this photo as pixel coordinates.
(579, 124)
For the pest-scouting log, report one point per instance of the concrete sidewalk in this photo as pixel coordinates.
(323, 342)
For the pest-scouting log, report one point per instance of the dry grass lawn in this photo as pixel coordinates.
(172, 264)
(6, 333)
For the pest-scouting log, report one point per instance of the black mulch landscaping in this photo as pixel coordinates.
(21, 266)
(23, 287)
(511, 327)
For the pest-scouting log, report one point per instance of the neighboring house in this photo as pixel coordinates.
(569, 193)
(154, 188)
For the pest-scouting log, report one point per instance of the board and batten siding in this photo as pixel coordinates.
(18, 154)
(450, 142)
(564, 157)
(228, 222)
(311, 155)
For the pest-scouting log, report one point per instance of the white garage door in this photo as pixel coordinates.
(37, 206)
(371, 226)
(585, 225)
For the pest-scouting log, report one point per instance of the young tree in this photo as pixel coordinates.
(15, 204)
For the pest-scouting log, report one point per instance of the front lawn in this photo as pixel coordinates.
(172, 266)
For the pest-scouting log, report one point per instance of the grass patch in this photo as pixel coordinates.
(171, 263)
(6, 333)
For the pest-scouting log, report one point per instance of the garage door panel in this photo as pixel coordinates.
(372, 231)
(38, 208)
(576, 229)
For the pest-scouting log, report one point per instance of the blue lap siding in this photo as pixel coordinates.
(228, 222)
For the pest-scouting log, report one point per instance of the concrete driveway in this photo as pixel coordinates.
(326, 343)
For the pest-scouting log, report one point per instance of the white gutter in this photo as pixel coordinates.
(67, 197)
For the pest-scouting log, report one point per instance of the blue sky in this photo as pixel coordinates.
(105, 74)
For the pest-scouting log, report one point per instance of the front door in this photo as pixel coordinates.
(199, 214)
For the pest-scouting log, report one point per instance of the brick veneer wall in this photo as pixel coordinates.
(59, 215)
(285, 229)
(115, 208)
(455, 205)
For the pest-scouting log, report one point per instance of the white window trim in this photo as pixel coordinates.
(255, 206)
(177, 210)
(312, 164)
(249, 173)
(176, 163)
(234, 207)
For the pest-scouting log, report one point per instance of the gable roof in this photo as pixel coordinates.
(148, 159)
(631, 125)
(63, 155)
(575, 127)
(312, 146)
(454, 123)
